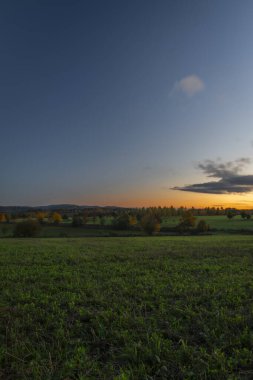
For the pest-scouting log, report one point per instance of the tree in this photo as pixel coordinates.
(150, 224)
(132, 220)
(2, 218)
(56, 217)
(5, 229)
(85, 217)
(102, 220)
(187, 222)
(40, 215)
(245, 215)
(29, 228)
(202, 226)
(121, 222)
(230, 214)
(77, 221)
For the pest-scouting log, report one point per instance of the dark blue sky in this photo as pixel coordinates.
(112, 102)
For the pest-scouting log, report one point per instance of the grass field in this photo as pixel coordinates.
(218, 224)
(66, 230)
(127, 308)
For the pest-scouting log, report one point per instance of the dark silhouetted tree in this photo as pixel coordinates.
(150, 224)
(121, 222)
(202, 226)
(28, 228)
(77, 221)
(187, 222)
(230, 214)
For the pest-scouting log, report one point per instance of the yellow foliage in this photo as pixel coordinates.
(132, 220)
(40, 215)
(2, 218)
(56, 217)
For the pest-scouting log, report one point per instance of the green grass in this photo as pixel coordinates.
(217, 222)
(126, 308)
(66, 230)
(69, 231)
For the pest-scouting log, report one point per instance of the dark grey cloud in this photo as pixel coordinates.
(230, 181)
(218, 169)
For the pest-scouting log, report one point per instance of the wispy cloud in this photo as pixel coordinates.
(230, 181)
(190, 85)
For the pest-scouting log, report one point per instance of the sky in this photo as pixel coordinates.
(129, 103)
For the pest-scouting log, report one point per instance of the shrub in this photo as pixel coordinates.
(121, 222)
(150, 224)
(40, 215)
(231, 214)
(2, 218)
(202, 226)
(56, 218)
(77, 221)
(132, 220)
(29, 228)
(5, 229)
(187, 222)
(85, 217)
(102, 220)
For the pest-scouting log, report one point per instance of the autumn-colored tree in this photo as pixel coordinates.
(150, 224)
(132, 220)
(56, 217)
(2, 218)
(202, 226)
(40, 215)
(187, 222)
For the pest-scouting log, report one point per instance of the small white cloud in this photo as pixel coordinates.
(190, 85)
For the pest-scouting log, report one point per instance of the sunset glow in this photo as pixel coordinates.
(134, 104)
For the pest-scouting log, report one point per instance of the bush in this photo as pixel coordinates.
(121, 222)
(150, 224)
(231, 214)
(5, 230)
(56, 218)
(77, 221)
(29, 228)
(202, 227)
(187, 222)
(102, 220)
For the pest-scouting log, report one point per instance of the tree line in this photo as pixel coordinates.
(146, 219)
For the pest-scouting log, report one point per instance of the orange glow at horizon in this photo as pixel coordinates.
(173, 198)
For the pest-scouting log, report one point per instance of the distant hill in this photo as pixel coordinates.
(66, 207)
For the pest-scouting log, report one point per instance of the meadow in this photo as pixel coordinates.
(219, 224)
(127, 308)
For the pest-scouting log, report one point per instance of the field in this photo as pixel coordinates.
(218, 225)
(66, 230)
(127, 308)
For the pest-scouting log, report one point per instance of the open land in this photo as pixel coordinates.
(219, 224)
(127, 308)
